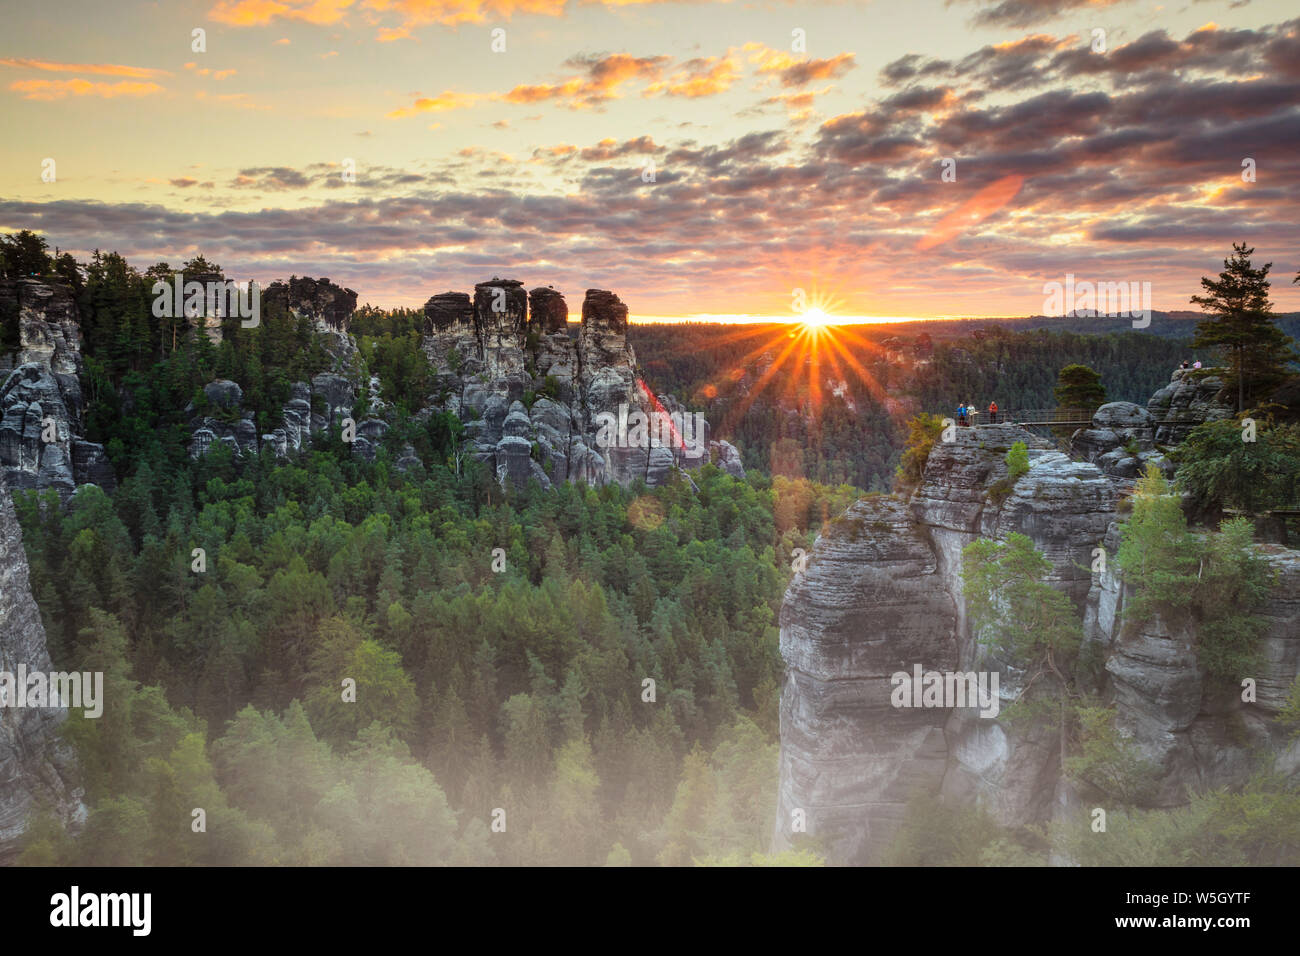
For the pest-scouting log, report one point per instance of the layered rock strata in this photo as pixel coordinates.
(882, 593)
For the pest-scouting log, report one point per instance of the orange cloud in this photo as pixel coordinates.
(799, 104)
(58, 89)
(444, 101)
(700, 77)
(103, 69)
(543, 91)
(256, 13)
(408, 14)
(797, 71)
(605, 76)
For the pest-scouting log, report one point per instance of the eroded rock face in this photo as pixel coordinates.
(35, 769)
(489, 353)
(330, 305)
(883, 592)
(871, 602)
(327, 401)
(42, 443)
(548, 312)
(500, 317)
(1190, 398)
(1199, 732)
(532, 398)
(1121, 442)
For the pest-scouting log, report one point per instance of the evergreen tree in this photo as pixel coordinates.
(1078, 386)
(1242, 326)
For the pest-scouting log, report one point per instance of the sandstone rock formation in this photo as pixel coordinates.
(1120, 441)
(489, 353)
(883, 592)
(42, 442)
(327, 304)
(492, 352)
(313, 406)
(1190, 398)
(35, 768)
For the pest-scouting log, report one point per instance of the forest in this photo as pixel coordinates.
(586, 676)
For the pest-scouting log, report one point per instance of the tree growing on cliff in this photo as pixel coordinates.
(1078, 386)
(923, 431)
(1157, 553)
(1108, 761)
(1218, 470)
(1241, 324)
(24, 254)
(1026, 622)
(1211, 586)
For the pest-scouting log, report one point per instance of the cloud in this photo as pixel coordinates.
(612, 148)
(603, 77)
(795, 71)
(252, 13)
(1025, 13)
(59, 89)
(443, 102)
(703, 76)
(271, 178)
(398, 17)
(99, 69)
(1123, 171)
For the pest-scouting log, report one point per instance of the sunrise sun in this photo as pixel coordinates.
(815, 319)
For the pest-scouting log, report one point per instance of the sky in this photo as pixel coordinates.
(910, 159)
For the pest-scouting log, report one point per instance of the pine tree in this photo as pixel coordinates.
(1078, 386)
(1242, 325)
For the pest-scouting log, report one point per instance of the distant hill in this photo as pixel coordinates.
(1172, 325)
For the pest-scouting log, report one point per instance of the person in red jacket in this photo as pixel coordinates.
(993, 411)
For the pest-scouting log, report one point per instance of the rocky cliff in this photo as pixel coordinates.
(882, 593)
(491, 353)
(42, 442)
(35, 769)
(1191, 397)
(314, 406)
(502, 346)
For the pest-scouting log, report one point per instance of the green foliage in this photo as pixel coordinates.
(1234, 584)
(1017, 461)
(1242, 327)
(923, 431)
(1157, 552)
(1013, 610)
(934, 833)
(1078, 386)
(1289, 714)
(1212, 586)
(1218, 470)
(1109, 762)
(1260, 826)
(405, 377)
(24, 254)
(511, 689)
